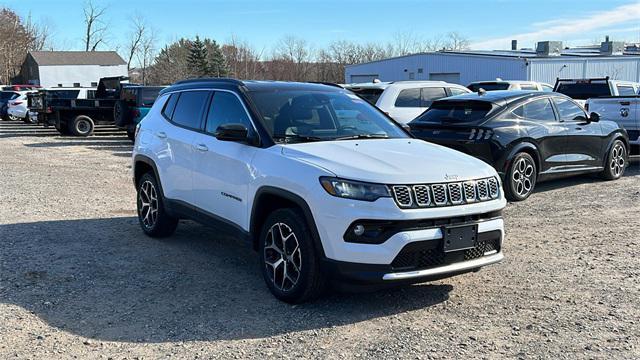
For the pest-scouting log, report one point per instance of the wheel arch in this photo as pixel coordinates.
(142, 165)
(523, 146)
(617, 135)
(268, 199)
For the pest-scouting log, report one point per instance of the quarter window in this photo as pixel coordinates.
(225, 108)
(568, 110)
(431, 94)
(170, 106)
(456, 91)
(528, 87)
(188, 111)
(536, 110)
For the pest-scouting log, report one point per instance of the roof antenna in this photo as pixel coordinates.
(482, 91)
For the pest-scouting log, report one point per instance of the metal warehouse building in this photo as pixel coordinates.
(545, 64)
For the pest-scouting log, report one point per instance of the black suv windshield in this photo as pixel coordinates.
(455, 112)
(303, 115)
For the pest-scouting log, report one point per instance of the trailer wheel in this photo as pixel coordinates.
(82, 125)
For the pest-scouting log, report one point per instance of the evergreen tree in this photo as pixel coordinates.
(198, 59)
(217, 63)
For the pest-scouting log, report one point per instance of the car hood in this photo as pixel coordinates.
(390, 161)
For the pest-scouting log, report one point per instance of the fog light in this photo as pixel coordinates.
(358, 230)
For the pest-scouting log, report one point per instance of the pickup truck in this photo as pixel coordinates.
(582, 89)
(625, 110)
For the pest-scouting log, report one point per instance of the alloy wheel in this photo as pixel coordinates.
(282, 257)
(522, 176)
(617, 161)
(148, 204)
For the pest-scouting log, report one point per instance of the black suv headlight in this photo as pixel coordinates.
(356, 190)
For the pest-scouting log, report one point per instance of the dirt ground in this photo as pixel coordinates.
(78, 279)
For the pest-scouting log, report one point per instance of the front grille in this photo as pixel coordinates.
(446, 194)
(402, 196)
(422, 255)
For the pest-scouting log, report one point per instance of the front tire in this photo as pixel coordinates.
(289, 263)
(153, 218)
(521, 177)
(616, 161)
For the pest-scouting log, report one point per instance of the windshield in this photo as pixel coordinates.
(455, 112)
(584, 91)
(488, 86)
(371, 95)
(303, 115)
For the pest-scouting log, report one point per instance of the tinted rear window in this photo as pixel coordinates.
(489, 86)
(371, 95)
(584, 91)
(456, 112)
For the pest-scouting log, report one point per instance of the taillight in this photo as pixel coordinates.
(16, 103)
(49, 109)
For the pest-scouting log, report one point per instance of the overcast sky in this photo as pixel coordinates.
(489, 24)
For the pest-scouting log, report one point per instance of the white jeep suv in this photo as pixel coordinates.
(403, 101)
(325, 186)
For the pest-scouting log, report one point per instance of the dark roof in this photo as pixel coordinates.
(250, 85)
(44, 58)
(500, 97)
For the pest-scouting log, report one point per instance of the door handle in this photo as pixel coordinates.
(202, 147)
(161, 134)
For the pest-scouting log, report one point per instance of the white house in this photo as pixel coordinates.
(71, 68)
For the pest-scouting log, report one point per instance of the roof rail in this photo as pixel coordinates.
(206, 79)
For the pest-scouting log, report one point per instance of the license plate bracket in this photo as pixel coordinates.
(459, 237)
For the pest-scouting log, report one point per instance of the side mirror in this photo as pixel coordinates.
(594, 117)
(232, 132)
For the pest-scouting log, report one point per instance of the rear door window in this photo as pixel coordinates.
(431, 94)
(457, 91)
(625, 90)
(188, 111)
(225, 108)
(408, 98)
(568, 110)
(540, 110)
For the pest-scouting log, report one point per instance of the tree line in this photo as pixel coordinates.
(291, 58)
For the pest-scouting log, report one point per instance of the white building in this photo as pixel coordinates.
(545, 64)
(71, 68)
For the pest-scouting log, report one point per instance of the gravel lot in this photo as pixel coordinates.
(78, 279)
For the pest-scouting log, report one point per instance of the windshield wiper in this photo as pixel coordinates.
(363, 136)
(303, 138)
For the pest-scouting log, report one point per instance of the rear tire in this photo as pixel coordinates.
(521, 176)
(616, 162)
(81, 125)
(152, 216)
(288, 259)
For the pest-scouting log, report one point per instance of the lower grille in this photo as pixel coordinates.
(422, 255)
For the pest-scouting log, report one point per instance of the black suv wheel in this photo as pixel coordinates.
(616, 161)
(152, 216)
(521, 177)
(288, 258)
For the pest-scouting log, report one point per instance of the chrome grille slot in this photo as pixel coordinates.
(493, 187)
(483, 191)
(422, 196)
(455, 193)
(469, 191)
(402, 194)
(439, 194)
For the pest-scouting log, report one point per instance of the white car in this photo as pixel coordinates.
(500, 84)
(17, 107)
(403, 101)
(322, 185)
(581, 90)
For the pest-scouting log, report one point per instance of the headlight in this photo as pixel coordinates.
(354, 189)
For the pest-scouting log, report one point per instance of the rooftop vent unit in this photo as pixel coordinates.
(609, 48)
(549, 48)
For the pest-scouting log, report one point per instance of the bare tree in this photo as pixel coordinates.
(455, 41)
(291, 59)
(146, 52)
(136, 37)
(243, 59)
(96, 27)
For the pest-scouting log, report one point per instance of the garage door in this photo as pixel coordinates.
(448, 77)
(363, 78)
